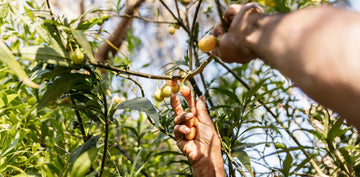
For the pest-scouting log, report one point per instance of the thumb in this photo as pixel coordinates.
(202, 113)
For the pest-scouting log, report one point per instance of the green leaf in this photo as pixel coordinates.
(230, 94)
(47, 54)
(141, 104)
(12, 145)
(9, 59)
(254, 89)
(91, 143)
(244, 159)
(83, 163)
(84, 43)
(335, 130)
(287, 164)
(60, 86)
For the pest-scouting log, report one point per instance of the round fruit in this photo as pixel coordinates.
(279, 145)
(177, 26)
(171, 30)
(192, 134)
(207, 43)
(64, 100)
(185, 91)
(175, 89)
(185, 2)
(166, 91)
(172, 83)
(192, 122)
(157, 95)
(77, 56)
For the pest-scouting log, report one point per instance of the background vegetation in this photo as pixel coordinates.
(98, 118)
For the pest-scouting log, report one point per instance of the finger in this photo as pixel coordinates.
(190, 99)
(218, 30)
(231, 12)
(203, 115)
(180, 131)
(176, 105)
(182, 118)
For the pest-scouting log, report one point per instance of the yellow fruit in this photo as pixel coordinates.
(171, 30)
(157, 95)
(64, 100)
(185, 2)
(207, 43)
(77, 56)
(166, 90)
(177, 26)
(192, 134)
(192, 122)
(175, 89)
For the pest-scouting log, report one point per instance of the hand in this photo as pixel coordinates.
(233, 45)
(204, 152)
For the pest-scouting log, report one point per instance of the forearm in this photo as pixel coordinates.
(317, 48)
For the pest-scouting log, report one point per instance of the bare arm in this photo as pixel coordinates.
(318, 48)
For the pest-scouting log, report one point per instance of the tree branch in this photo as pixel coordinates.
(150, 76)
(119, 34)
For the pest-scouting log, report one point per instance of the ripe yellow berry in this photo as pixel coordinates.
(64, 100)
(157, 95)
(171, 30)
(207, 43)
(192, 134)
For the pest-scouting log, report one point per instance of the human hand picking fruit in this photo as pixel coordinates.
(233, 43)
(194, 144)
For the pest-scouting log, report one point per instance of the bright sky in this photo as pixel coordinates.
(355, 4)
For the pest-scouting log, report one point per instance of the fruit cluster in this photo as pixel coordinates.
(166, 90)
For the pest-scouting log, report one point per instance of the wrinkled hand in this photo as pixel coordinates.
(206, 143)
(233, 46)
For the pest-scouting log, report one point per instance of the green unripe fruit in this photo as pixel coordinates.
(77, 56)
(166, 91)
(157, 95)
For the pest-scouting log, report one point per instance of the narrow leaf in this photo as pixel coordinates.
(9, 59)
(244, 159)
(84, 43)
(141, 104)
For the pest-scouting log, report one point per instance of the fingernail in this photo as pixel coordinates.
(187, 130)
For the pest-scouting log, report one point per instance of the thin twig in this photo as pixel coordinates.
(223, 23)
(146, 20)
(191, 43)
(106, 134)
(150, 76)
(80, 121)
(177, 19)
(131, 159)
(133, 80)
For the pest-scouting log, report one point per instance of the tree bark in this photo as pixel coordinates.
(119, 33)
